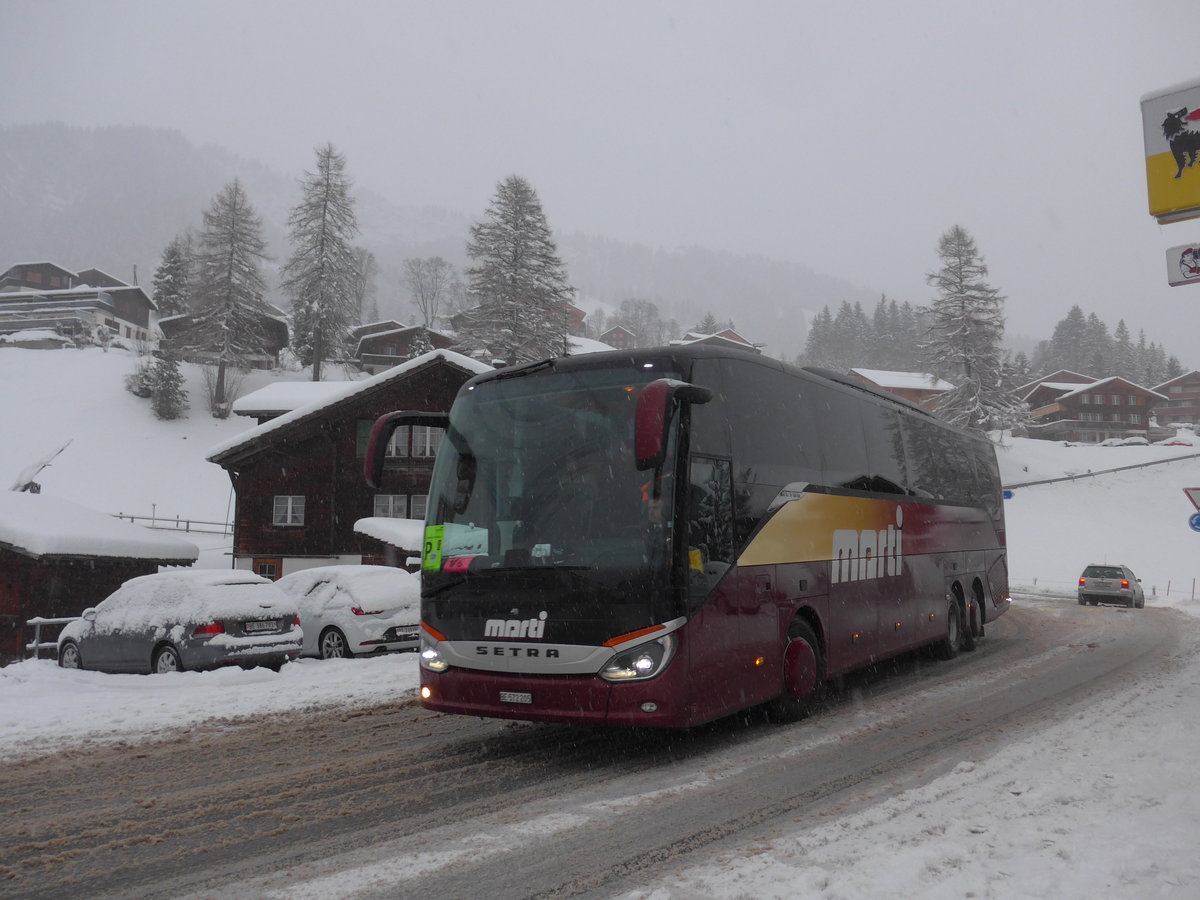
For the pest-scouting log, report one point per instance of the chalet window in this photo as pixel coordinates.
(426, 440)
(289, 510)
(399, 439)
(1087, 399)
(1133, 400)
(391, 506)
(1135, 419)
(33, 277)
(417, 505)
(55, 281)
(1098, 399)
(1116, 399)
(1116, 417)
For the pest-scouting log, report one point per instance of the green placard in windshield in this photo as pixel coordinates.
(431, 556)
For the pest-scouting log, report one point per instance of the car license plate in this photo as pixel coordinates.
(263, 625)
(516, 697)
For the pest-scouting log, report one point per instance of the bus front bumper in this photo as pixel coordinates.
(585, 699)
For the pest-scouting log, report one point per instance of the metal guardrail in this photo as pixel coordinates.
(37, 645)
(1093, 474)
(177, 524)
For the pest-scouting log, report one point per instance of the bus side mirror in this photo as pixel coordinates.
(654, 407)
(381, 433)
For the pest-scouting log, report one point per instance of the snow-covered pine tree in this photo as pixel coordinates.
(172, 278)
(169, 399)
(963, 344)
(708, 325)
(517, 279)
(322, 273)
(229, 287)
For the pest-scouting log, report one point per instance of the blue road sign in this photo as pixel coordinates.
(1194, 521)
(1007, 495)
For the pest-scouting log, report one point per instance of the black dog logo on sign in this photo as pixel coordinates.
(1185, 143)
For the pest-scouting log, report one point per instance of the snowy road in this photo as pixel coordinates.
(394, 801)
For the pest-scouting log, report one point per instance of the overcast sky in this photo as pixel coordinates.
(845, 136)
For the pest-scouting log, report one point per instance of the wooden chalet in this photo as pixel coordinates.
(58, 558)
(272, 323)
(1182, 404)
(619, 338)
(381, 349)
(298, 478)
(1090, 412)
(47, 297)
(725, 338)
(916, 387)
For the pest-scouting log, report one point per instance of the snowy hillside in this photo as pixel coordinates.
(120, 459)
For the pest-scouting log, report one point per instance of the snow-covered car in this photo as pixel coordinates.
(185, 619)
(1110, 584)
(353, 610)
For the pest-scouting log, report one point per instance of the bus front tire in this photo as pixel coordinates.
(803, 675)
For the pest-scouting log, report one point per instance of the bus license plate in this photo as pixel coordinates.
(516, 697)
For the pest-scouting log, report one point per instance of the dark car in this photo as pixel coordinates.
(185, 619)
(1110, 584)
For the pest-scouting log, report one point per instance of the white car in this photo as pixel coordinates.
(185, 619)
(353, 610)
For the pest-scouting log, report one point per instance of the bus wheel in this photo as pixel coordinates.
(803, 675)
(948, 646)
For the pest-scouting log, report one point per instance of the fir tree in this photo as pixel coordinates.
(707, 325)
(172, 278)
(169, 399)
(229, 287)
(965, 331)
(322, 274)
(517, 279)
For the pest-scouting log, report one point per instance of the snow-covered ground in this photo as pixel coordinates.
(1101, 805)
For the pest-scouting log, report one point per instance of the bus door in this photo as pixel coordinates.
(717, 590)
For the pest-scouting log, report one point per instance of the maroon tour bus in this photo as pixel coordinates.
(661, 537)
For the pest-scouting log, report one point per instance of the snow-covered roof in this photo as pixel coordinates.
(353, 388)
(407, 534)
(918, 381)
(47, 526)
(285, 396)
(581, 345)
(1099, 385)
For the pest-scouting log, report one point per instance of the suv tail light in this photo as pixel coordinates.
(1124, 584)
(1082, 581)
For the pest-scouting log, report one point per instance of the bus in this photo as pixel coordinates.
(663, 537)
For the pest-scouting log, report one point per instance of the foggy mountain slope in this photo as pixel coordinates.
(113, 197)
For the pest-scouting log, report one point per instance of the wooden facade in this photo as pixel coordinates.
(1091, 412)
(382, 349)
(54, 586)
(298, 479)
(1182, 403)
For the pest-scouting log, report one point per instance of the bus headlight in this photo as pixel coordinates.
(642, 662)
(432, 659)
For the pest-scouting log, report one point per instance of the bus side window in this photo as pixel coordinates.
(710, 523)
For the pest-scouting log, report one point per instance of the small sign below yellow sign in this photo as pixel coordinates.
(1183, 265)
(1171, 131)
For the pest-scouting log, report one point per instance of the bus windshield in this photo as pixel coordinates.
(538, 472)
